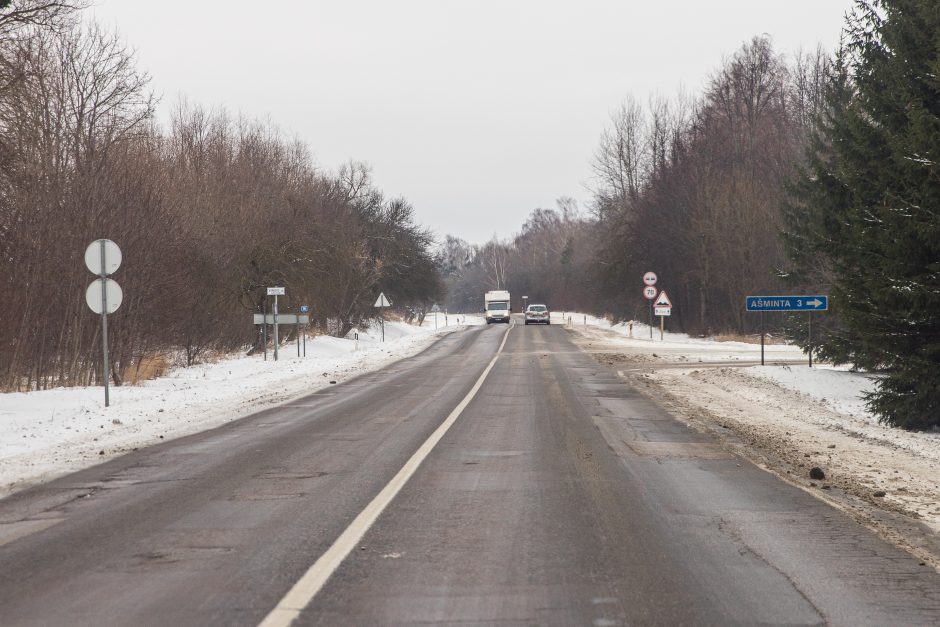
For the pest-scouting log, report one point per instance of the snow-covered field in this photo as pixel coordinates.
(806, 417)
(50, 433)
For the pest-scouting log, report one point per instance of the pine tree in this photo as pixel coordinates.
(866, 209)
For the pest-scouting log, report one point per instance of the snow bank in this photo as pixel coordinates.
(50, 433)
(836, 388)
(680, 346)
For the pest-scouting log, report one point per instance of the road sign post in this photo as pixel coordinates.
(381, 303)
(435, 309)
(663, 307)
(275, 292)
(102, 257)
(304, 309)
(810, 351)
(808, 303)
(298, 320)
(649, 279)
(264, 328)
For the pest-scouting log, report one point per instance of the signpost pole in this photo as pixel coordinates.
(762, 338)
(382, 315)
(305, 339)
(264, 327)
(297, 333)
(810, 315)
(662, 326)
(651, 319)
(105, 367)
(275, 327)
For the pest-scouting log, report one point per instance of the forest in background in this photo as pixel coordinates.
(208, 212)
(803, 174)
(689, 188)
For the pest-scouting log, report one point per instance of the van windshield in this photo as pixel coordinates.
(498, 305)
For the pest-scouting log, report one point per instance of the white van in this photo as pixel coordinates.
(496, 306)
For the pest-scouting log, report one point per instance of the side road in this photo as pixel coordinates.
(884, 477)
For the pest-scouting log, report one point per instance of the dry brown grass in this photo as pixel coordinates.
(748, 339)
(149, 367)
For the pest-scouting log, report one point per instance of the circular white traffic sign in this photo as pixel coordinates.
(649, 292)
(112, 257)
(649, 278)
(112, 291)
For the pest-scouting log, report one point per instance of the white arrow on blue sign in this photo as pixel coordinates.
(787, 303)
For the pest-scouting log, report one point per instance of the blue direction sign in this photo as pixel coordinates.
(788, 303)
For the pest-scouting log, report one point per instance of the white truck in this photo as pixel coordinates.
(496, 306)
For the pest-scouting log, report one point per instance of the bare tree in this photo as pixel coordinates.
(620, 160)
(17, 14)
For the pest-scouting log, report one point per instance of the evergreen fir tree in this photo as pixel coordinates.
(867, 207)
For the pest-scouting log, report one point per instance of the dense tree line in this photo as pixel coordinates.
(689, 188)
(863, 218)
(548, 261)
(208, 212)
(692, 189)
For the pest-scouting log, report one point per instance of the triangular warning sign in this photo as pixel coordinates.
(662, 300)
(381, 301)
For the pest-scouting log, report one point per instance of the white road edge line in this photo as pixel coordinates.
(307, 587)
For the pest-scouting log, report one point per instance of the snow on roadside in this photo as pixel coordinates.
(50, 433)
(837, 388)
(635, 337)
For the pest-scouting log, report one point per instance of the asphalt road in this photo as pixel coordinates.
(560, 496)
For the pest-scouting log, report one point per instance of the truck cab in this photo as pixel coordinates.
(496, 306)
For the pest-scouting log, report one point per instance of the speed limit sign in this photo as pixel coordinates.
(649, 292)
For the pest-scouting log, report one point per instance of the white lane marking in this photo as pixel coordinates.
(307, 587)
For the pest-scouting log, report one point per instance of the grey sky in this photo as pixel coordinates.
(476, 112)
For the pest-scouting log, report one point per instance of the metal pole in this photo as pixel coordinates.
(105, 367)
(651, 319)
(811, 339)
(382, 316)
(305, 339)
(762, 338)
(264, 326)
(297, 332)
(275, 327)
(662, 325)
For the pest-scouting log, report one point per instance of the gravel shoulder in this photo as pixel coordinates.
(884, 478)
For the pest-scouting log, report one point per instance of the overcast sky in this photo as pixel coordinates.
(476, 112)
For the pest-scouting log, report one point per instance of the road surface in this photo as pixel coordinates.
(558, 496)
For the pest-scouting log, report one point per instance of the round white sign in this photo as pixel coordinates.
(112, 291)
(649, 278)
(112, 257)
(649, 292)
